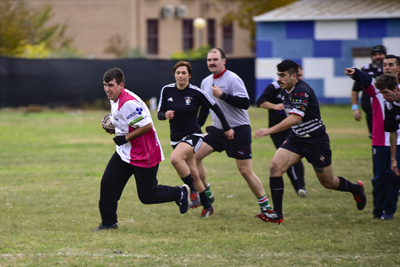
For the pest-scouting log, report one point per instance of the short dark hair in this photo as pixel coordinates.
(299, 66)
(186, 64)
(289, 66)
(222, 52)
(386, 81)
(114, 73)
(395, 57)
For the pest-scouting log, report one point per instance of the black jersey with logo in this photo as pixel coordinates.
(392, 116)
(186, 104)
(302, 101)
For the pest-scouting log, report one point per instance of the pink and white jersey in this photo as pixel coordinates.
(128, 113)
(379, 136)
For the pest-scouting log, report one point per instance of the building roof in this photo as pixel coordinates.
(333, 10)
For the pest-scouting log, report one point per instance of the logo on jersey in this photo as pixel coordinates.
(170, 99)
(188, 100)
(322, 158)
(138, 111)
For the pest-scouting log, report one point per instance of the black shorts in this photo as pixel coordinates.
(237, 148)
(315, 149)
(195, 140)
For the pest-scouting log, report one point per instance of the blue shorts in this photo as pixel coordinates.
(315, 149)
(194, 140)
(237, 148)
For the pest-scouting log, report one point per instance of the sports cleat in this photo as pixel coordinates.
(361, 198)
(106, 227)
(184, 202)
(386, 216)
(209, 194)
(195, 200)
(270, 216)
(302, 193)
(207, 212)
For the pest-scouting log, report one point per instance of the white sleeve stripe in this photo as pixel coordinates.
(161, 93)
(212, 102)
(297, 112)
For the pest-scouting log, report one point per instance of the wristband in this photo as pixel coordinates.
(120, 140)
(354, 107)
(223, 96)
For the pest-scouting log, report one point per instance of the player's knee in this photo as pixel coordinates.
(275, 169)
(244, 172)
(175, 161)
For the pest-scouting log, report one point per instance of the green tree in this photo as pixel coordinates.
(247, 9)
(24, 32)
(192, 54)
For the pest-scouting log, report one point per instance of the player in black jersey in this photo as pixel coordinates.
(307, 139)
(271, 99)
(180, 103)
(374, 69)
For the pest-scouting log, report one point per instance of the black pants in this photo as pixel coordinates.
(296, 171)
(115, 177)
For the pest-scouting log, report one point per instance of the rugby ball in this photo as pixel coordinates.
(106, 123)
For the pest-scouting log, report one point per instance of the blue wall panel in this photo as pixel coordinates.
(264, 48)
(340, 64)
(328, 49)
(300, 30)
(271, 30)
(393, 27)
(293, 48)
(317, 85)
(372, 28)
(261, 84)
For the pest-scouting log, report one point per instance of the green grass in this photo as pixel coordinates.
(51, 164)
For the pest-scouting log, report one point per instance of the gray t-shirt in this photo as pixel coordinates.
(230, 84)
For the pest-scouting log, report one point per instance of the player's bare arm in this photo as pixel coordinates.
(393, 150)
(269, 105)
(139, 131)
(290, 121)
(354, 101)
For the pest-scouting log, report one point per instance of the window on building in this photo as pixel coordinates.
(361, 52)
(152, 36)
(211, 32)
(227, 32)
(188, 35)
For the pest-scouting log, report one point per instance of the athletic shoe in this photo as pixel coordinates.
(302, 193)
(270, 216)
(386, 216)
(184, 202)
(209, 194)
(106, 227)
(361, 198)
(207, 212)
(195, 200)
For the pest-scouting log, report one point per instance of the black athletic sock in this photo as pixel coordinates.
(348, 186)
(277, 188)
(204, 200)
(189, 181)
